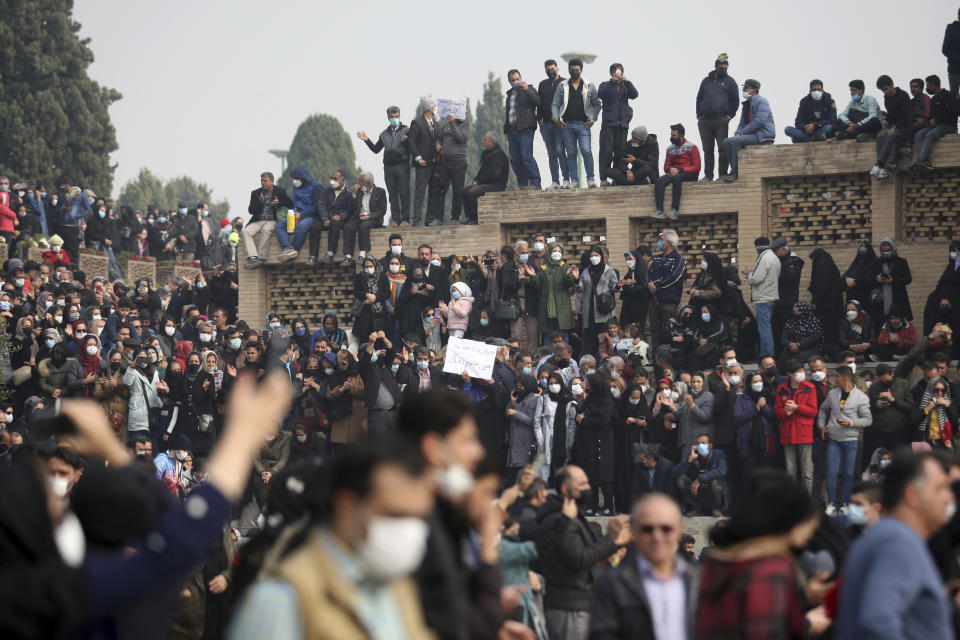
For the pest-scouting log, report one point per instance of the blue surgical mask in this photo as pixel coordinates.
(50, 342)
(660, 245)
(394, 368)
(4, 305)
(422, 365)
(885, 463)
(855, 515)
(455, 295)
(206, 213)
(300, 331)
(484, 322)
(544, 382)
(527, 371)
(524, 257)
(162, 219)
(199, 285)
(235, 344)
(394, 122)
(703, 448)
(856, 97)
(182, 210)
(374, 357)
(102, 213)
(705, 317)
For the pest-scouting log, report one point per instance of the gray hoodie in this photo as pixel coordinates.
(856, 409)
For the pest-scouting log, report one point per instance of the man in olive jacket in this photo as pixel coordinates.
(890, 402)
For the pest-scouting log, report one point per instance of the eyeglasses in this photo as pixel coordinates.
(665, 529)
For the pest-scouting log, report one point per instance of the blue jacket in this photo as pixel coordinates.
(667, 273)
(330, 204)
(951, 46)
(72, 211)
(36, 204)
(717, 97)
(614, 97)
(307, 195)
(716, 468)
(761, 124)
(806, 115)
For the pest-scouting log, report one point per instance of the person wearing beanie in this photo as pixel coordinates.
(422, 144)
(756, 125)
(682, 164)
(764, 280)
(638, 162)
(55, 254)
(396, 164)
(717, 103)
(615, 95)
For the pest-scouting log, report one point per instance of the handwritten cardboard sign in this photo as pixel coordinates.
(476, 358)
(457, 107)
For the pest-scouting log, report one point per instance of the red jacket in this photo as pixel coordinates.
(906, 336)
(54, 258)
(797, 428)
(685, 157)
(7, 215)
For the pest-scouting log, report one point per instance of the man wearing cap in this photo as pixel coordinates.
(421, 142)
(396, 164)
(764, 291)
(614, 95)
(717, 103)
(638, 162)
(756, 125)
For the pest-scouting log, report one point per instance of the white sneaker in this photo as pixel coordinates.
(831, 510)
(555, 185)
(875, 172)
(568, 184)
(658, 215)
(289, 254)
(673, 214)
(592, 184)
(883, 174)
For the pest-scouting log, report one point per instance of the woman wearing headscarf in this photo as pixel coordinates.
(826, 295)
(301, 335)
(662, 423)
(522, 442)
(891, 275)
(679, 332)
(597, 306)
(396, 276)
(740, 319)
(84, 369)
(553, 282)
(802, 335)
(710, 285)
(595, 442)
(53, 372)
(859, 278)
(936, 416)
(24, 352)
(757, 426)
(112, 394)
(414, 298)
(857, 332)
(197, 398)
(344, 391)
(634, 297)
(630, 428)
(553, 425)
(330, 331)
(711, 334)
(371, 289)
(943, 303)
(144, 386)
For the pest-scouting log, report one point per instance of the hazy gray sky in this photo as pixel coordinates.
(210, 85)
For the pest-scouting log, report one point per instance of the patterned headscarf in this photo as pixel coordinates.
(805, 324)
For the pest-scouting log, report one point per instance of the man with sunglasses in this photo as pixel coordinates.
(649, 594)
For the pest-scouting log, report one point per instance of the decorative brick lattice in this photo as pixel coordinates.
(715, 232)
(133, 270)
(572, 234)
(4, 251)
(35, 254)
(299, 291)
(931, 206)
(187, 271)
(94, 264)
(820, 210)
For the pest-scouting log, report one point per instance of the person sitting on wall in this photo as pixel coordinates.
(369, 209)
(682, 164)
(492, 176)
(756, 126)
(898, 130)
(861, 119)
(816, 116)
(638, 164)
(897, 337)
(942, 120)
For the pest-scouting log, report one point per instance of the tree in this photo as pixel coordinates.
(147, 189)
(323, 146)
(54, 118)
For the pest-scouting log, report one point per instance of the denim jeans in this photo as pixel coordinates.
(889, 141)
(924, 138)
(299, 233)
(557, 159)
(764, 319)
(574, 133)
(799, 135)
(733, 144)
(113, 267)
(521, 157)
(677, 181)
(841, 456)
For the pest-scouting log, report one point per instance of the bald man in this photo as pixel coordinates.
(650, 595)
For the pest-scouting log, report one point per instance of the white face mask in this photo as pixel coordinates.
(456, 267)
(169, 330)
(818, 376)
(394, 547)
(396, 249)
(757, 386)
(631, 264)
(745, 94)
(369, 271)
(59, 486)
(394, 268)
(576, 389)
(92, 350)
(538, 247)
(297, 183)
(206, 337)
(455, 481)
(703, 265)
(634, 401)
(554, 388)
(734, 380)
(816, 95)
(853, 367)
(615, 392)
(302, 439)
(556, 256)
(953, 256)
(732, 362)
(800, 376)
(594, 260)
(181, 455)
(852, 315)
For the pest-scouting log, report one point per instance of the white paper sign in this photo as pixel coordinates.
(476, 358)
(457, 107)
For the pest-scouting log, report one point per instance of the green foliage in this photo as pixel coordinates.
(147, 189)
(323, 146)
(490, 116)
(53, 116)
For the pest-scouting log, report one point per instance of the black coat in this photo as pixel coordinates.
(375, 375)
(494, 167)
(378, 206)
(861, 270)
(571, 556)
(621, 609)
(645, 156)
(255, 208)
(664, 480)
(826, 294)
(528, 102)
(948, 288)
(900, 270)
(594, 444)
(422, 141)
(791, 267)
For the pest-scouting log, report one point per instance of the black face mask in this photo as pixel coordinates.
(193, 367)
(771, 372)
(115, 366)
(675, 141)
(142, 362)
(552, 74)
(574, 75)
(585, 499)
(721, 73)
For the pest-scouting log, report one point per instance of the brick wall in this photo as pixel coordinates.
(835, 203)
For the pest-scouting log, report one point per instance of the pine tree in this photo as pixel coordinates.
(54, 118)
(323, 146)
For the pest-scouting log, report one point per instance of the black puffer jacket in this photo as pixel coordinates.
(571, 555)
